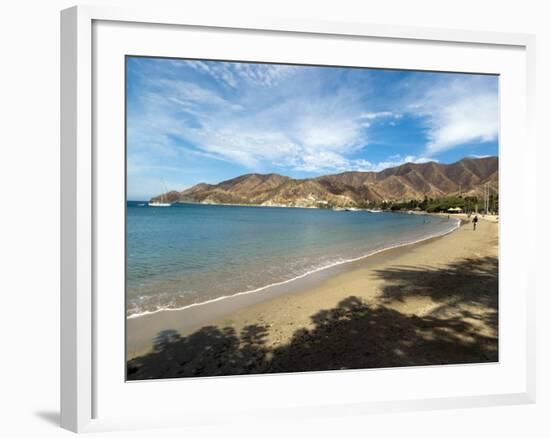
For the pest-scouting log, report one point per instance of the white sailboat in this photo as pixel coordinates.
(162, 202)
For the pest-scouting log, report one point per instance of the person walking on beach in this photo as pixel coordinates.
(475, 222)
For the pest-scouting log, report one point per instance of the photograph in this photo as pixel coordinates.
(285, 218)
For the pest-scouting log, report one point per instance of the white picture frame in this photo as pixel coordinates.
(84, 371)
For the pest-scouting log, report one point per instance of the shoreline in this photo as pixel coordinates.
(301, 276)
(143, 330)
(431, 303)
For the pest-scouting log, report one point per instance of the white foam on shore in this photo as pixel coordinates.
(280, 283)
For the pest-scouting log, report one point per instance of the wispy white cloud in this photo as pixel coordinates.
(458, 111)
(478, 156)
(311, 131)
(472, 118)
(263, 74)
(219, 71)
(329, 162)
(189, 95)
(380, 115)
(392, 161)
(234, 73)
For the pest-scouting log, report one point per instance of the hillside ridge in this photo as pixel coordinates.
(408, 181)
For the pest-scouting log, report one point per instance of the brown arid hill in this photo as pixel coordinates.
(402, 183)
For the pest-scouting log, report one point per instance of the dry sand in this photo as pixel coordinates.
(435, 302)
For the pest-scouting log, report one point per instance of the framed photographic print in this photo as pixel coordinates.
(252, 209)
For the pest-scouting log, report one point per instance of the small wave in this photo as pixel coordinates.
(313, 271)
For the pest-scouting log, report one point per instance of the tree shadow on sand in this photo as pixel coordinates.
(471, 283)
(353, 334)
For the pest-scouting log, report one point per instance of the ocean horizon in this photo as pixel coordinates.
(190, 254)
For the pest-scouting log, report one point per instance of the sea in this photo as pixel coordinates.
(190, 254)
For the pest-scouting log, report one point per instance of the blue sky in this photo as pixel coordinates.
(208, 121)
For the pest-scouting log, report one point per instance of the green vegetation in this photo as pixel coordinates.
(444, 204)
(468, 204)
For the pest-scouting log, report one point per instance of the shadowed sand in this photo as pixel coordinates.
(431, 303)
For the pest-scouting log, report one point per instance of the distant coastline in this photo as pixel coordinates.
(351, 255)
(256, 205)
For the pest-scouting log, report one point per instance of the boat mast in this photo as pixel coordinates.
(165, 191)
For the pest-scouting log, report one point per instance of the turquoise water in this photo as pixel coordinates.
(189, 254)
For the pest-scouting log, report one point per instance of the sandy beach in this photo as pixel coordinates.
(435, 302)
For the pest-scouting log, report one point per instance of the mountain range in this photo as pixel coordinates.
(406, 182)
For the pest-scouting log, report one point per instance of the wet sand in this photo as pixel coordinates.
(434, 302)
